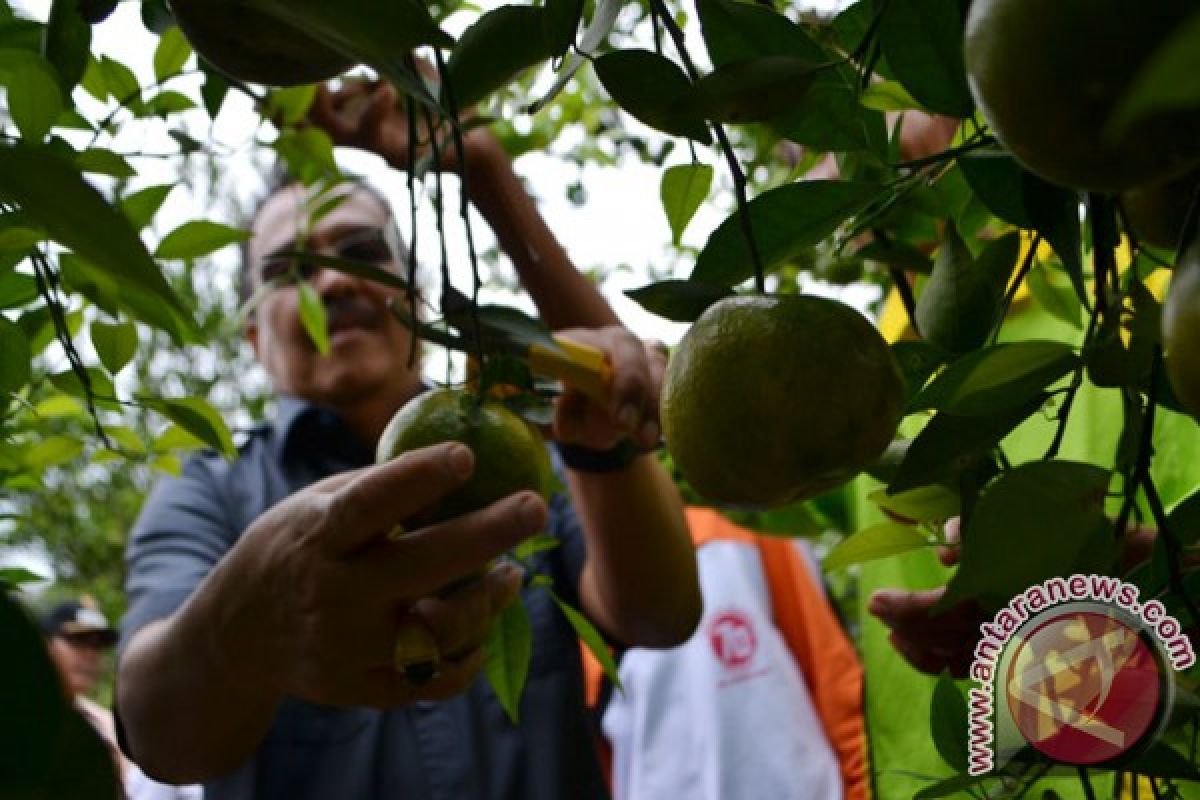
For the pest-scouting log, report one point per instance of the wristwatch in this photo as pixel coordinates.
(587, 459)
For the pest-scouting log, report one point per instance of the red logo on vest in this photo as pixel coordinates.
(733, 641)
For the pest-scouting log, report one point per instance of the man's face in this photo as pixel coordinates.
(78, 657)
(369, 348)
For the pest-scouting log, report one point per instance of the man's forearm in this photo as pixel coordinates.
(640, 582)
(187, 716)
(564, 297)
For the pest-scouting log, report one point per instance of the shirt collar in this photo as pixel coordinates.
(296, 417)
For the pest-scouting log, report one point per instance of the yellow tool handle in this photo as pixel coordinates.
(580, 366)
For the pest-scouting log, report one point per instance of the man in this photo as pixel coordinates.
(78, 636)
(270, 611)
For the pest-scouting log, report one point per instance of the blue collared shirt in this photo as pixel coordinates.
(461, 749)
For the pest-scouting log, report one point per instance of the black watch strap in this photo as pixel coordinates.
(585, 459)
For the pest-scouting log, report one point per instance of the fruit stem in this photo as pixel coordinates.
(658, 8)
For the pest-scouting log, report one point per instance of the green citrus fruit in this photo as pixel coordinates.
(1157, 213)
(769, 400)
(1048, 75)
(1181, 330)
(510, 454)
(251, 45)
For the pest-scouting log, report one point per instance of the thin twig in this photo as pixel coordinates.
(1011, 294)
(1086, 783)
(735, 168)
(43, 276)
(464, 207)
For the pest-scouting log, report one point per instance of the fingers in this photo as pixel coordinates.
(929, 642)
(632, 410)
(460, 620)
(949, 555)
(379, 498)
(422, 562)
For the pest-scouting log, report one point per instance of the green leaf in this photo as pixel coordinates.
(290, 105)
(676, 300)
(101, 385)
(17, 289)
(68, 40)
(15, 577)
(196, 416)
(1160, 760)
(888, 96)
(592, 639)
(168, 102)
(115, 343)
(653, 90)
(120, 82)
(997, 378)
(308, 153)
(925, 504)
(922, 41)
(198, 238)
(753, 90)
(500, 45)
(950, 444)
(35, 99)
(896, 254)
(15, 357)
(361, 269)
(736, 31)
(52, 451)
(960, 302)
(214, 90)
(877, 541)
(560, 23)
(999, 183)
(534, 545)
(101, 289)
(784, 220)
(1052, 508)
(58, 405)
(54, 194)
(948, 722)
(168, 464)
(104, 162)
(499, 326)
(917, 361)
(171, 54)
(684, 188)
(176, 437)
(1170, 79)
(1055, 215)
(127, 438)
(141, 206)
(1055, 296)
(508, 650)
(312, 315)
(156, 16)
(1184, 519)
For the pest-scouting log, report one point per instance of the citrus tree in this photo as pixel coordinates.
(1063, 188)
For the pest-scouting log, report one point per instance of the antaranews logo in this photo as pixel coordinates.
(1078, 668)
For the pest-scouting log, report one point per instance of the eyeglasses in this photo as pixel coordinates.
(369, 245)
